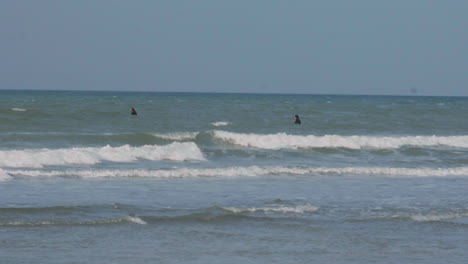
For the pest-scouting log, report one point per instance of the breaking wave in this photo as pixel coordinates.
(221, 123)
(299, 209)
(178, 136)
(19, 109)
(437, 217)
(284, 141)
(4, 176)
(38, 158)
(250, 171)
(125, 219)
(100, 214)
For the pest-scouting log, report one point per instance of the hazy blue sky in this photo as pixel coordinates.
(302, 46)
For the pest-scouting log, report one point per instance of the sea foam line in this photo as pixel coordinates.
(437, 217)
(125, 219)
(299, 209)
(19, 109)
(38, 158)
(251, 171)
(178, 136)
(220, 123)
(283, 140)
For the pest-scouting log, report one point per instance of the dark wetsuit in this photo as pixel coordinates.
(298, 121)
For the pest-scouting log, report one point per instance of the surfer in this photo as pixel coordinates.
(298, 121)
(133, 111)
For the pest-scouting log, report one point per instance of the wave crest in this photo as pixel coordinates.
(300, 209)
(437, 217)
(284, 141)
(220, 123)
(250, 171)
(178, 136)
(19, 109)
(4, 176)
(38, 158)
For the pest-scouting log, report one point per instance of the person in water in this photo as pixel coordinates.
(133, 111)
(298, 121)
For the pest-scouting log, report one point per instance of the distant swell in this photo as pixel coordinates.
(38, 158)
(125, 219)
(437, 217)
(99, 215)
(454, 216)
(284, 141)
(250, 171)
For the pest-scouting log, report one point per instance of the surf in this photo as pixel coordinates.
(39, 158)
(287, 141)
(236, 172)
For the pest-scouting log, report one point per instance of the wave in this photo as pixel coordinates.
(135, 220)
(38, 158)
(250, 171)
(100, 214)
(261, 141)
(178, 136)
(125, 219)
(69, 215)
(457, 216)
(220, 123)
(437, 217)
(286, 141)
(4, 176)
(19, 109)
(300, 209)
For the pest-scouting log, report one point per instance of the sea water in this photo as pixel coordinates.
(229, 178)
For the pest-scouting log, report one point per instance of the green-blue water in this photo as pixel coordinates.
(229, 178)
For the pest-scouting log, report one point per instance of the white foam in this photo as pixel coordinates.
(18, 223)
(19, 109)
(437, 217)
(132, 219)
(251, 171)
(300, 209)
(178, 136)
(4, 176)
(283, 140)
(135, 219)
(38, 158)
(220, 123)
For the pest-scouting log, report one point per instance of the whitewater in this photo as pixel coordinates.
(229, 178)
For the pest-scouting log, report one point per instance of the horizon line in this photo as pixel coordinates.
(216, 92)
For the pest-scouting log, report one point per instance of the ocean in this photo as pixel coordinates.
(229, 178)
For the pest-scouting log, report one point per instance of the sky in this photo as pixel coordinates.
(375, 47)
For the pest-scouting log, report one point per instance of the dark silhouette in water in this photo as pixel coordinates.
(133, 111)
(298, 121)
